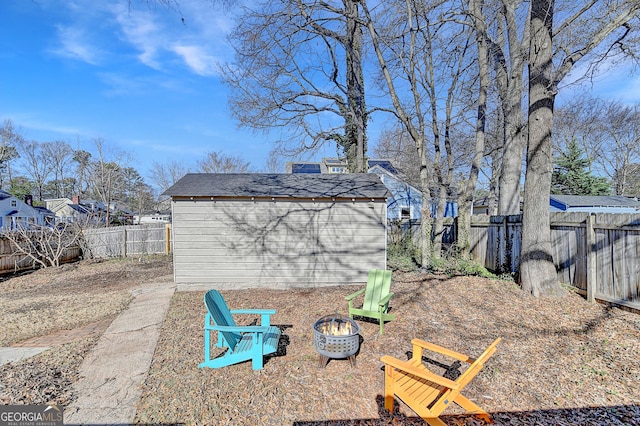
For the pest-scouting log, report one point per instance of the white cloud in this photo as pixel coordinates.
(197, 59)
(118, 84)
(160, 37)
(74, 44)
(140, 30)
(32, 126)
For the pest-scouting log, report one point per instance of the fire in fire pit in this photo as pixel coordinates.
(336, 336)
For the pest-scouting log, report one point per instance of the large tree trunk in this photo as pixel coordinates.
(509, 81)
(465, 200)
(537, 271)
(357, 120)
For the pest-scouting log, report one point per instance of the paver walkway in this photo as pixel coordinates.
(66, 336)
(112, 373)
(31, 347)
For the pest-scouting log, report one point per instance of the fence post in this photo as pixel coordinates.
(592, 280)
(504, 264)
(124, 241)
(167, 238)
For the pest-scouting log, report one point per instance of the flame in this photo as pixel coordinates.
(336, 328)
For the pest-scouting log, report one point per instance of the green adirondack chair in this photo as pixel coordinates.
(376, 298)
(243, 343)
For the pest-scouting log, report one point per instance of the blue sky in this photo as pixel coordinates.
(139, 78)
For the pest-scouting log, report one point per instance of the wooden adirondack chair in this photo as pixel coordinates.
(426, 393)
(376, 298)
(243, 343)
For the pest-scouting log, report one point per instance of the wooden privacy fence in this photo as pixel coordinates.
(11, 261)
(119, 241)
(132, 240)
(598, 254)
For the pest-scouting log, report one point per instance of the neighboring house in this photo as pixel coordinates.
(481, 206)
(153, 217)
(277, 230)
(16, 213)
(67, 210)
(75, 210)
(333, 165)
(406, 200)
(48, 217)
(594, 204)
(579, 203)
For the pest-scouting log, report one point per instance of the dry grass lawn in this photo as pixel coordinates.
(49, 300)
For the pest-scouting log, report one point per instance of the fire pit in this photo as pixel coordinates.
(336, 336)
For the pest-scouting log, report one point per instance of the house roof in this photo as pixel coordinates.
(310, 168)
(384, 164)
(279, 185)
(79, 208)
(322, 167)
(44, 210)
(595, 201)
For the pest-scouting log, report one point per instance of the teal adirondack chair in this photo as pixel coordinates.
(376, 298)
(243, 343)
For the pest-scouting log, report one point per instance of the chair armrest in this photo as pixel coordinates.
(238, 328)
(420, 372)
(265, 314)
(385, 299)
(444, 351)
(354, 295)
(254, 311)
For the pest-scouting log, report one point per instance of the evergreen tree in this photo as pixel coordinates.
(571, 175)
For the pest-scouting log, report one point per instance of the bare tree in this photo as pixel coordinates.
(37, 164)
(44, 245)
(11, 139)
(607, 131)
(465, 204)
(164, 175)
(509, 48)
(106, 174)
(620, 148)
(217, 162)
(600, 29)
(299, 68)
(424, 55)
(395, 144)
(60, 155)
(82, 159)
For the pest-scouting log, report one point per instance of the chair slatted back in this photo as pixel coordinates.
(477, 365)
(221, 316)
(378, 286)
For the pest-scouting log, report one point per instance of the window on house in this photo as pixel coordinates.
(337, 169)
(14, 203)
(405, 213)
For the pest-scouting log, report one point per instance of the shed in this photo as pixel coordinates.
(277, 230)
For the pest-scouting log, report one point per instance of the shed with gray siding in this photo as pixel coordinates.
(277, 230)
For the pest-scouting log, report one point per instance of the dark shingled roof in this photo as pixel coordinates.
(279, 185)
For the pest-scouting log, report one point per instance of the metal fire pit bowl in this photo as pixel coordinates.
(336, 336)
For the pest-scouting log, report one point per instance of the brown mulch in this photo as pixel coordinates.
(562, 361)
